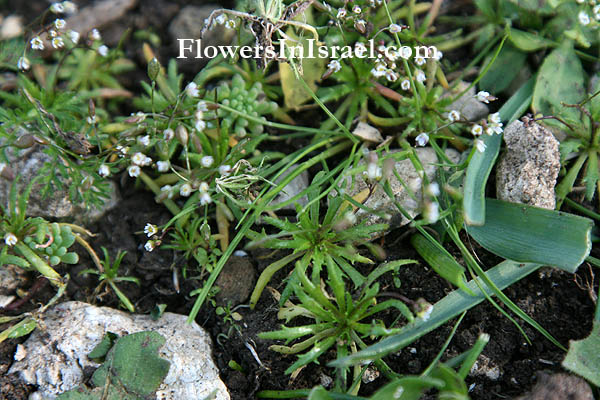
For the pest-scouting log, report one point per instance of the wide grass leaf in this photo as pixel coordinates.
(481, 164)
(525, 233)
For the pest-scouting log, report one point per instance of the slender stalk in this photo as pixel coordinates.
(40, 265)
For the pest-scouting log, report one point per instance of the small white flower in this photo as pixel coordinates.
(361, 24)
(422, 139)
(149, 246)
(200, 125)
(138, 158)
(134, 171)
(454, 116)
(74, 36)
(477, 130)
(432, 212)
(168, 134)
(438, 55)
(341, 13)
(207, 161)
(395, 28)
(373, 171)
(150, 229)
(480, 146)
(10, 239)
(37, 43)
(230, 24)
(191, 89)
(103, 50)
(57, 8)
(224, 170)
(489, 131)
(391, 75)
(240, 253)
(58, 42)
(23, 64)
(334, 65)
(220, 19)
(202, 106)
(379, 70)
(420, 76)
(167, 189)
(203, 187)
(69, 7)
(123, 150)
(185, 190)
(95, 34)
(433, 189)
(59, 23)
(405, 85)
(580, 1)
(420, 61)
(162, 166)
(104, 171)
(144, 140)
(205, 198)
(356, 9)
(596, 11)
(483, 97)
(494, 118)
(584, 18)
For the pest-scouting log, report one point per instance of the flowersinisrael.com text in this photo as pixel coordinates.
(192, 48)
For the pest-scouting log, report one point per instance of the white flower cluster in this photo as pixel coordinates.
(373, 172)
(65, 7)
(584, 14)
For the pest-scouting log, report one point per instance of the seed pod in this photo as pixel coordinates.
(153, 69)
(182, 135)
(25, 141)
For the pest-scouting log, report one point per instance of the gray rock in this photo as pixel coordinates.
(54, 358)
(189, 23)
(559, 387)
(379, 200)
(11, 278)
(367, 133)
(56, 204)
(527, 172)
(470, 108)
(99, 14)
(295, 186)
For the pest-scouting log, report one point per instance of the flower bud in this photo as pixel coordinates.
(182, 135)
(153, 69)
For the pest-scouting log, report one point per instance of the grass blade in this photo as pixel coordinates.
(481, 164)
(529, 234)
(503, 275)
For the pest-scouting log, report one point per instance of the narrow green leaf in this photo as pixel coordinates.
(453, 304)
(528, 41)
(530, 234)
(481, 164)
(583, 357)
(505, 69)
(408, 388)
(441, 261)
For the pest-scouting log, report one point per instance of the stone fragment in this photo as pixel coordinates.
(367, 133)
(469, 107)
(295, 186)
(55, 357)
(527, 171)
(379, 201)
(559, 387)
(234, 289)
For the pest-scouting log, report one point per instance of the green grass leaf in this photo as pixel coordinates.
(481, 164)
(452, 305)
(529, 234)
